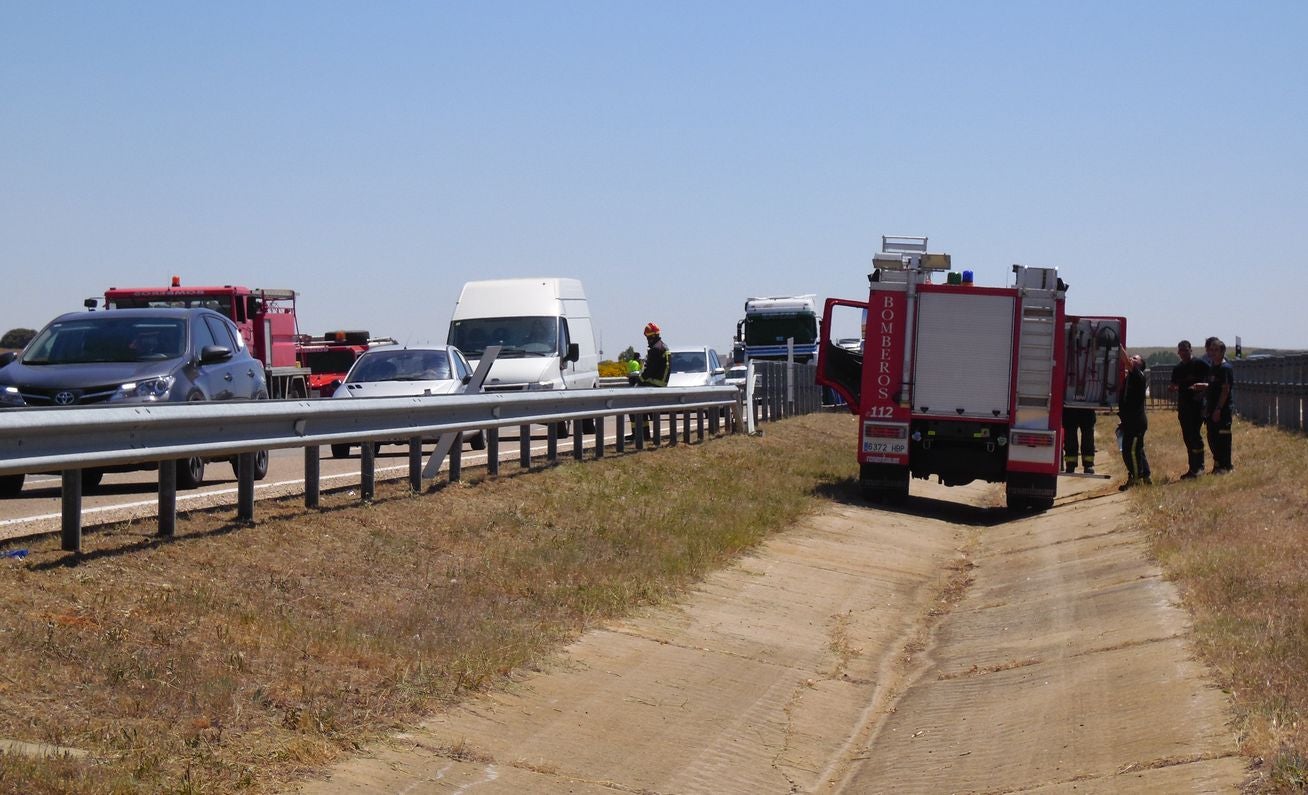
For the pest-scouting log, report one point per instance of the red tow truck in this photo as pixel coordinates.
(266, 318)
(330, 356)
(956, 380)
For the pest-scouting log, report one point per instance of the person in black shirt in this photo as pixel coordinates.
(1217, 405)
(1131, 411)
(1190, 405)
(1078, 439)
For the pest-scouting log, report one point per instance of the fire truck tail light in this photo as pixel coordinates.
(1033, 439)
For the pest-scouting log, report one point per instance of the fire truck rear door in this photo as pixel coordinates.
(963, 361)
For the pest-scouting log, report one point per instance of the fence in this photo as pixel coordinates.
(783, 389)
(1271, 391)
(68, 440)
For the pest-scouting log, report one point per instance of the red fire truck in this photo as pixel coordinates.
(266, 319)
(955, 380)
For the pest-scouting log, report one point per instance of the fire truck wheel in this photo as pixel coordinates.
(190, 473)
(340, 451)
(11, 485)
(477, 440)
(884, 483)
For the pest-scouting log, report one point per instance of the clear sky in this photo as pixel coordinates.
(677, 157)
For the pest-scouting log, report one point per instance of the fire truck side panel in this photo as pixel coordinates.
(964, 356)
(883, 438)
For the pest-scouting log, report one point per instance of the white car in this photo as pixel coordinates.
(392, 371)
(695, 367)
(736, 375)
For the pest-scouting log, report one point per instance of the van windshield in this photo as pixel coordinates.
(516, 336)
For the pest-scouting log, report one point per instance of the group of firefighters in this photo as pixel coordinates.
(1203, 400)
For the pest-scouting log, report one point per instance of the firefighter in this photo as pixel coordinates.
(633, 370)
(1131, 411)
(1190, 404)
(1079, 439)
(1217, 405)
(656, 358)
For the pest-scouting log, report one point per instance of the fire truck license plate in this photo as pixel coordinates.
(886, 446)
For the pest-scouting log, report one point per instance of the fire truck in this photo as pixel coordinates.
(955, 380)
(330, 357)
(265, 317)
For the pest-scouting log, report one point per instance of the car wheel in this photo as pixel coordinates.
(477, 440)
(190, 473)
(340, 451)
(588, 425)
(260, 465)
(11, 485)
(91, 479)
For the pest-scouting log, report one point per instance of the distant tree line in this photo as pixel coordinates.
(17, 337)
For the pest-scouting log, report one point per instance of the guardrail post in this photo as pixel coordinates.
(672, 429)
(524, 446)
(312, 475)
(599, 436)
(578, 441)
(415, 463)
(699, 425)
(685, 425)
(456, 458)
(713, 423)
(245, 487)
(552, 443)
(620, 445)
(639, 430)
(167, 498)
(70, 529)
(492, 437)
(367, 470)
(658, 428)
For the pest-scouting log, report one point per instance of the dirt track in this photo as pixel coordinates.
(942, 648)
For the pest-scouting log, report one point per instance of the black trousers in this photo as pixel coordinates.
(1192, 421)
(1133, 452)
(1219, 441)
(1078, 438)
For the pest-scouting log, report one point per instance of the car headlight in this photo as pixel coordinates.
(10, 396)
(150, 389)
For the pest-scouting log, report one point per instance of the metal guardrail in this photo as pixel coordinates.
(68, 440)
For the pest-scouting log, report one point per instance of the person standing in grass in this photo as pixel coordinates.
(1217, 405)
(1190, 404)
(1135, 421)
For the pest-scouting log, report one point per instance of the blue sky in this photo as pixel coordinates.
(676, 157)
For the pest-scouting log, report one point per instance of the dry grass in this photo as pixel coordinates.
(234, 658)
(1235, 544)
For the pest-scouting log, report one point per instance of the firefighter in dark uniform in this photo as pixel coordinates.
(1131, 411)
(656, 359)
(1078, 439)
(1190, 405)
(1217, 405)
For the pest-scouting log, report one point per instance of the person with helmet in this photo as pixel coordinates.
(656, 358)
(633, 370)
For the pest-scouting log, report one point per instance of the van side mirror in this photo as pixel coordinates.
(7, 357)
(574, 353)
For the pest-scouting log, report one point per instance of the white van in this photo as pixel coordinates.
(542, 326)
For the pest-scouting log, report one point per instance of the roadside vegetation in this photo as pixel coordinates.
(1237, 546)
(234, 658)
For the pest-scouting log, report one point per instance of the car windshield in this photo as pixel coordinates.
(401, 365)
(736, 372)
(101, 337)
(516, 336)
(689, 362)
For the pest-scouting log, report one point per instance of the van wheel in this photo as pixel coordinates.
(588, 425)
(190, 473)
(340, 451)
(561, 429)
(477, 440)
(11, 485)
(260, 465)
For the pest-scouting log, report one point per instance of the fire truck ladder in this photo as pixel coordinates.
(1035, 358)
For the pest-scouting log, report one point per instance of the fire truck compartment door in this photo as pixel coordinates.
(964, 360)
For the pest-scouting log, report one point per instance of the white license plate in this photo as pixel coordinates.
(885, 446)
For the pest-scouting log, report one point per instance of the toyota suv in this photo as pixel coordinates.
(133, 356)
